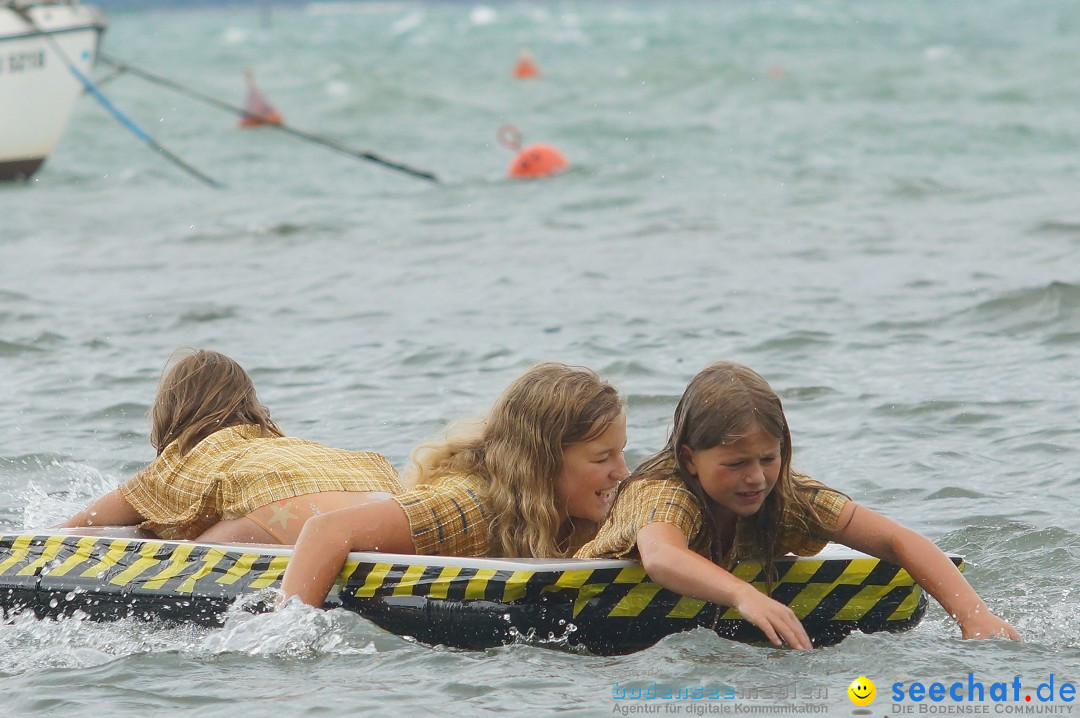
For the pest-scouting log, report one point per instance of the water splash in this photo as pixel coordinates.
(294, 631)
(81, 482)
(552, 640)
(28, 644)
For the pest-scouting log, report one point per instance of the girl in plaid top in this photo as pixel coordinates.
(534, 479)
(226, 472)
(723, 489)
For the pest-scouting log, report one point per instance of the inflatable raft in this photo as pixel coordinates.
(604, 606)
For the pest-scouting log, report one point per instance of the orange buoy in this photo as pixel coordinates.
(258, 108)
(526, 66)
(537, 161)
(534, 160)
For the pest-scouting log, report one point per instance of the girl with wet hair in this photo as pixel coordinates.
(225, 471)
(723, 490)
(533, 479)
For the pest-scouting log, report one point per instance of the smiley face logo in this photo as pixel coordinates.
(862, 691)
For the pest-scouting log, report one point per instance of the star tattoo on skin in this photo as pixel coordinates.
(282, 515)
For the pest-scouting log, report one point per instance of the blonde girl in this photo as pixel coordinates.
(224, 470)
(723, 490)
(534, 479)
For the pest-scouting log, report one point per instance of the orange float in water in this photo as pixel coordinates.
(534, 160)
(258, 108)
(537, 161)
(526, 66)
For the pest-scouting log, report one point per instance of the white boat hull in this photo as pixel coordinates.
(37, 90)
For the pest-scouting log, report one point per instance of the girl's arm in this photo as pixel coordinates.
(112, 509)
(670, 563)
(326, 540)
(870, 532)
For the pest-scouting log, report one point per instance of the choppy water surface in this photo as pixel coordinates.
(875, 205)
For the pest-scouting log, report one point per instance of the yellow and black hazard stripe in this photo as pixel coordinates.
(832, 596)
(844, 589)
(104, 574)
(608, 609)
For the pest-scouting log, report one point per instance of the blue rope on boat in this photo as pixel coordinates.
(112, 109)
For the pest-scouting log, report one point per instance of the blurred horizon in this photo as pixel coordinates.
(160, 4)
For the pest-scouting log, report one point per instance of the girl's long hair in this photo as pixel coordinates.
(201, 393)
(519, 449)
(722, 404)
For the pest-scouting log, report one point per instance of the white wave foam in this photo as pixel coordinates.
(483, 15)
(296, 630)
(83, 483)
(29, 644)
(408, 23)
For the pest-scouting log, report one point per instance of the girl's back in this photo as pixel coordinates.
(237, 470)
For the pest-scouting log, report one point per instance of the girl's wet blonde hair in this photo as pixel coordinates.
(722, 404)
(202, 392)
(519, 449)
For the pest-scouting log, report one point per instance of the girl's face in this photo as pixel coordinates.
(737, 476)
(591, 470)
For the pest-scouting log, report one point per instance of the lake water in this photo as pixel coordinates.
(873, 204)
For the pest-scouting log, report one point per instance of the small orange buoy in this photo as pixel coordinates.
(526, 66)
(534, 160)
(537, 161)
(258, 108)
